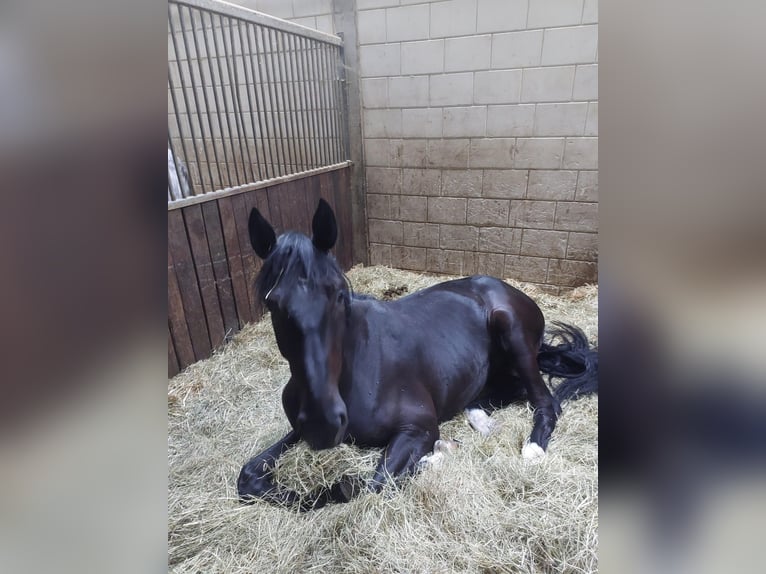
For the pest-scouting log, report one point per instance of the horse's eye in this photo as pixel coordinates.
(340, 296)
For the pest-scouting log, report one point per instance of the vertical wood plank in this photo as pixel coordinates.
(195, 226)
(236, 270)
(256, 199)
(275, 209)
(178, 244)
(179, 329)
(173, 369)
(327, 192)
(249, 266)
(211, 215)
(343, 203)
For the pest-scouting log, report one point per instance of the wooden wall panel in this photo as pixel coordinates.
(212, 266)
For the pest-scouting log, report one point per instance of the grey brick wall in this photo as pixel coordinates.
(480, 121)
(480, 128)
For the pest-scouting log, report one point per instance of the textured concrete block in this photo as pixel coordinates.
(412, 258)
(570, 45)
(451, 89)
(371, 26)
(547, 84)
(532, 214)
(407, 23)
(421, 234)
(422, 122)
(544, 243)
(470, 263)
(560, 119)
(408, 153)
(511, 120)
(465, 121)
(383, 231)
(408, 91)
(376, 152)
(366, 4)
(492, 153)
(467, 53)
(581, 153)
(505, 183)
(591, 124)
(571, 273)
(374, 93)
(586, 83)
(492, 264)
(278, 8)
(413, 208)
(458, 237)
(446, 210)
(590, 12)
(461, 183)
(378, 206)
(577, 216)
(501, 15)
(379, 60)
(453, 18)
(488, 211)
(523, 268)
(448, 153)
(423, 57)
(497, 87)
(382, 123)
(587, 186)
(583, 246)
(500, 239)
(380, 254)
(444, 261)
(311, 7)
(325, 24)
(550, 13)
(517, 49)
(552, 185)
(538, 153)
(384, 180)
(421, 182)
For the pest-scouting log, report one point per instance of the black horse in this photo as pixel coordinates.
(385, 374)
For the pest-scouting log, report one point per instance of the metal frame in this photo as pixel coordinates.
(255, 98)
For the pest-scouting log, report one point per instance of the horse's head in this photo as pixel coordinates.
(307, 295)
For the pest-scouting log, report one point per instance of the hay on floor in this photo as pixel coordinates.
(483, 510)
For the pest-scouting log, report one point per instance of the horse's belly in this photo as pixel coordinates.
(457, 391)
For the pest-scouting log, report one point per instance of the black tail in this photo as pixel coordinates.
(572, 359)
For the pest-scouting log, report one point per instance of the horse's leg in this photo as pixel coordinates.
(522, 344)
(255, 477)
(403, 453)
(546, 408)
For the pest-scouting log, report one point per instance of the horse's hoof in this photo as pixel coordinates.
(345, 489)
(481, 422)
(446, 446)
(532, 452)
(432, 460)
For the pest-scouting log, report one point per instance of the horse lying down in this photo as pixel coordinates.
(385, 374)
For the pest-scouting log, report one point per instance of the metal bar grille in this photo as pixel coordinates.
(250, 98)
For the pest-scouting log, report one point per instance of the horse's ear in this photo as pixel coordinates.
(324, 227)
(262, 236)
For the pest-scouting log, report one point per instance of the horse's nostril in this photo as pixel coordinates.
(342, 419)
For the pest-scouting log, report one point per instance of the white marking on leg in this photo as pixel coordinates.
(480, 421)
(532, 452)
(432, 460)
(446, 446)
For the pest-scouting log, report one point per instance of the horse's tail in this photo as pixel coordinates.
(571, 359)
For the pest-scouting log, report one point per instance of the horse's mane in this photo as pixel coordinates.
(295, 257)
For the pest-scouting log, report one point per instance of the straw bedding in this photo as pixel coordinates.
(483, 510)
